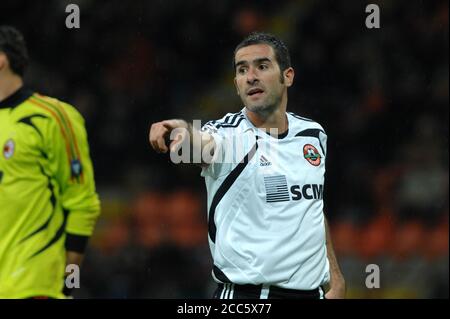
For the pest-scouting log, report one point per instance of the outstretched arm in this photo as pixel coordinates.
(198, 140)
(337, 281)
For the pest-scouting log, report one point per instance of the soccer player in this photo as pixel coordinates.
(267, 232)
(48, 202)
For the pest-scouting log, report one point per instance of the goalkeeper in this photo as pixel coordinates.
(48, 202)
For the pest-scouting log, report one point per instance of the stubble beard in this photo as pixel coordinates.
(264, 110)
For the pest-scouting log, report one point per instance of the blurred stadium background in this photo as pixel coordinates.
(382, 96)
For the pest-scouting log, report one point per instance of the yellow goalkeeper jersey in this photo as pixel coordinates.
(47, 192)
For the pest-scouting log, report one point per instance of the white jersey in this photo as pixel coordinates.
(265, 203)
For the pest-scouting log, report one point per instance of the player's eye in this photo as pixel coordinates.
(263, 67)
(241, 70)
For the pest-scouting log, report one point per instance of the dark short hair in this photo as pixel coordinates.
(12, 43)
(280, 49)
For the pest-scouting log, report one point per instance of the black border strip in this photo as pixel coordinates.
(312, 132)
(223, 189)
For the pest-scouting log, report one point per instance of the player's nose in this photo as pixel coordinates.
(252, 77)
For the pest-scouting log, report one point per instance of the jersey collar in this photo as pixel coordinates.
(251, 126)
(16, 98)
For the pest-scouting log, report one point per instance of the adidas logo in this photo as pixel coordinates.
(264, 161)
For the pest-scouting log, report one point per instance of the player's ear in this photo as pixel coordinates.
(288, 76)
(2, 61)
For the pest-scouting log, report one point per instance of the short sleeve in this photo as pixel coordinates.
(218, 165)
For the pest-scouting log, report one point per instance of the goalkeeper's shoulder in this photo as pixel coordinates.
(63, 109)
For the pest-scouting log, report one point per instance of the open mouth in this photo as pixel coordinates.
(255, 92)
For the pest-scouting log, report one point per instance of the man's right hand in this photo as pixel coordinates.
(161, 130)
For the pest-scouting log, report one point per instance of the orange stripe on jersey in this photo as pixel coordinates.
(77, 151)
(69, 124)
(69, 156)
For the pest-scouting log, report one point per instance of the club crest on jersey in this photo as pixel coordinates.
(8, 149)
(311, 154)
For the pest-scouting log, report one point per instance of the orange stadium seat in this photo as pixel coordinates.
(376, 237)
(185, 221)
(345, 238)
(408, 240)
(148, 216)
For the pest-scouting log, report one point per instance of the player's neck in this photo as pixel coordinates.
(9, 85)
(275, 120)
